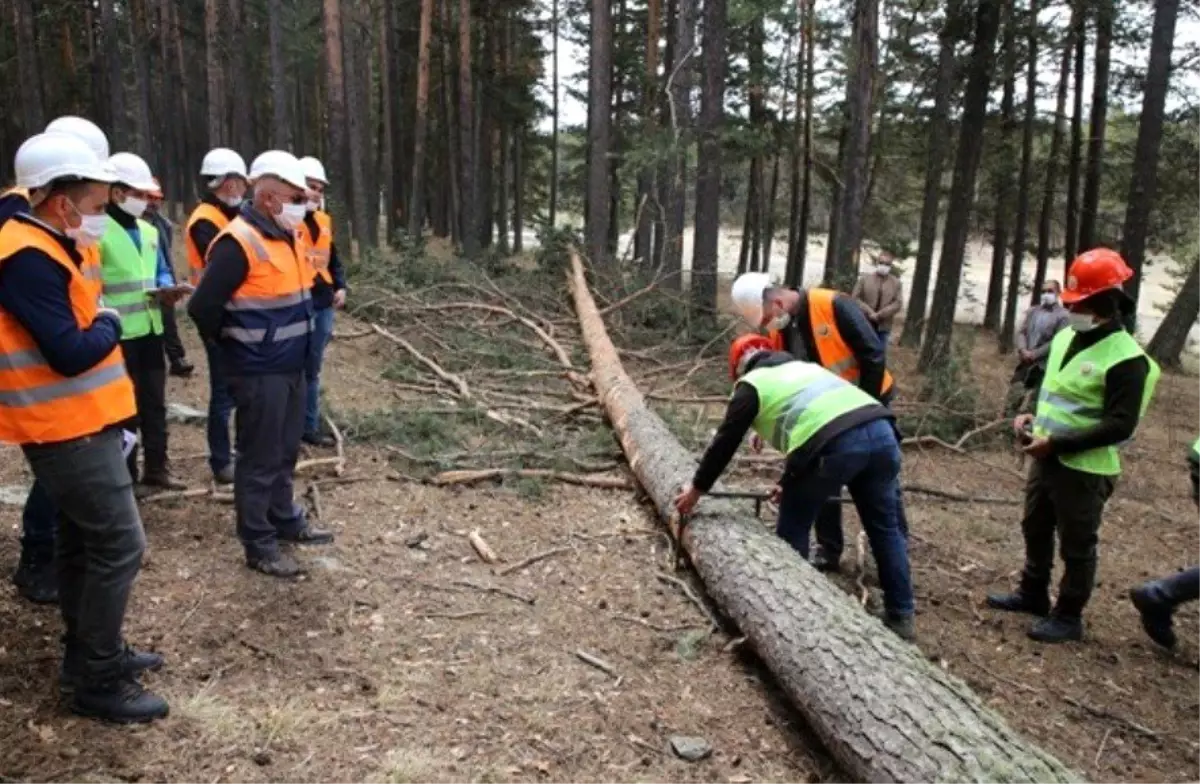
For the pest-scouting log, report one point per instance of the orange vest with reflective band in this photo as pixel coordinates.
(832, 352)
(317, 252)
(203, 211)
(92, 272)
(37, 404)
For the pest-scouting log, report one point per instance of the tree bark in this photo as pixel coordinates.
(648, 216)
(1056, 143)
(1088, 236)
(1143, 185)
(140, 35)
(795, 252)
(466, 106)
(884, 712)
(935, 163)
(519, 190)
(1172, 334)
(240, 77)
(795, 275)
(1075, 157)
(217, 135)
(936, 346)
(708, 166)
(553, 213)
(399, 203)
(485, 132)
(679, 87)
(599, 181)
(860, 89)
(416, 206)
(364, 193)
(281, 120)
(338, 152)
(33, 113)
(1004, 174)
(1008, 332)
(118, 117)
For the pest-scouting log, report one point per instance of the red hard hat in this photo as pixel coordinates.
(743, 345)
(1093, 271)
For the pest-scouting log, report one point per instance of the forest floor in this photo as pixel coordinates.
(402, 656)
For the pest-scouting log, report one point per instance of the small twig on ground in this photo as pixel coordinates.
(623, 301)
(317, 462)
(691, 595)
(467, 477)
(454, 616)
(650, 625)
(597, 662)
(175, 495)
(352, 335)
(188, 615)
(340, 444)
(497, 590)
(531, 560)
(1100, 751)
(456, 381)
(979, 431)
(1103, 713)
(314, 492)
(482, 548)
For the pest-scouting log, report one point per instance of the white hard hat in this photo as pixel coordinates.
(281, 165)
(133, 171)
(314, 169)
(46, 157)
(83, 129)
(747, 296)
(222, 161)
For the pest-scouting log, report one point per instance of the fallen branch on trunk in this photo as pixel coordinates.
(482, 548)
(881, 709)
(468, 477)
(196, 492)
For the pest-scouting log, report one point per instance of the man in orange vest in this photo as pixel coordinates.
(224, 174)
(328, 292)
(63, 393)
(253, 303)
(823, 326)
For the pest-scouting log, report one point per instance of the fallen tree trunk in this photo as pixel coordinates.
(881, 709)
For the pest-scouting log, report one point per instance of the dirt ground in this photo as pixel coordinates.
(402, 657)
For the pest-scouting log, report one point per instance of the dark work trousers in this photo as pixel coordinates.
(147, 367)
(38, 521)
(1060, 500)
(220, 405)
(269, 424)
(171, 341)
(99, 544)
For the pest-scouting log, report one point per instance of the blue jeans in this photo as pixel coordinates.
(38, 523)
(322, 332)
(866, 460)
(220, 406)
(884, 336)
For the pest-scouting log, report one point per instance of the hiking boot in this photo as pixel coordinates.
(1020, 602)
(224, 476)
(182, 369)
(277, 565)
(825, 562)
(121, 700)
(37, 579)
(1057, 628)
(318, 439)
(133, 662)
(901, 626)
(308, 535)
(1156, 614)
(162, 480)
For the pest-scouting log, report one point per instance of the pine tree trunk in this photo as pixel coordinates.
(281, 121)
(936, 346)
(1024, 187)
(364, 193)
(33, 113)
(118, 118)
(835, 203)
(416, 206)
(599, 180)
(239, 76)
(519, 190)
(708, 166)
(680, 81)
(791, 270)
(502, 213)
(387, 150)
(881, 708)
(337, 156)
(666, 161)
(1143, 186)
(1056, 144)
(757, 75)
(940, 144)
(140, 35)
(1075, 157)
(772, 195)
(647, 214)
(796, 277)
(1172, 334)
(553, 213)
(177, 96)
(217, 135)
(1088, 235)
(467, 196)
(486, 130)
(1004, 175)
(400, 203)
(748, 222)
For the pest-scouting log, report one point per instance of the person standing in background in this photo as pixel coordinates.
(1039, 326)
(176, 354)
(881, 296)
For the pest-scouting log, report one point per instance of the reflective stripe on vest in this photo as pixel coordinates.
(203, 212)
(1072, 397)
(833, 352)
(318, 251)
(37, 404)
(797, 399)
(269, 317)
(129, 272)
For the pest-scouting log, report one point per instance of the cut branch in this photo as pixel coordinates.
(882, 710)
(467, 477)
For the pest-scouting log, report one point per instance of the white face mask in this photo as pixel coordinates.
(291, 216)
(90, 229)
(314, 205)
(1049, 298)
(231, 201)
(780, 322)
(883, 269)
(132, 207)
(1081, 322)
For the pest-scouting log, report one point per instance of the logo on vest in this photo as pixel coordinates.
(823, 331)
(1086, 368)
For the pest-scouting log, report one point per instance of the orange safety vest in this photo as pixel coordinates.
(318, 251)
(90, 264)
(37, 404)
(207, 212)
(269, 318)
(832, 352)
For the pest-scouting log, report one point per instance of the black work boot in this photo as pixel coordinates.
(1025, 599)
(36, 579)
(318, 439)
(901, 625)
(1156, 613)
(121, 699)
(276, 565)
(133, 662)
(1057, 628)
(823, 561)
(182, 368)
(309, 534)
(161, 479)
(224, 476)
